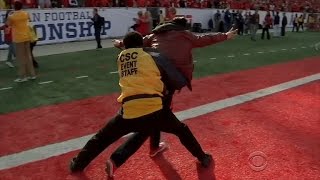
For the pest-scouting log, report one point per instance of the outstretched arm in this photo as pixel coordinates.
(209, 39)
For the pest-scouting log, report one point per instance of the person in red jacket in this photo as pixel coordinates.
(8, 41)
(165, 39)
(142, 24)
(267, 24)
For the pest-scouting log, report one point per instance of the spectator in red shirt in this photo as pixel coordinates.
(267, 23)
(171, 13)
(8, 41)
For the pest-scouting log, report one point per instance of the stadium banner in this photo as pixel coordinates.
(74, 24)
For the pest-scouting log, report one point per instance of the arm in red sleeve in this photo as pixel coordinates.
(205, 40)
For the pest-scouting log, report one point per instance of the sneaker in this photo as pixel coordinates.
(21, 80)
(10, 64)
(162, 147)
(110, 168)
(32, 77)
(206, 160)
(74, 168)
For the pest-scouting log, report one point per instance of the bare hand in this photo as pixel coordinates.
(232, 33)
(116, 43)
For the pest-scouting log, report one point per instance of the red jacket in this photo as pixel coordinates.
(7, 33)
(178, 46)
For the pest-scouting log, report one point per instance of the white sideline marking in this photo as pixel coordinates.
(293, 48)
(283, 49)
(247, 54)
(80, 77)
(231, 56)
(213, 58)
(44, 152)
(260, 52)
(6, 88)
(114, 72)
(45, 82)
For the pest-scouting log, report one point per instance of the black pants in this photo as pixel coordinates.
(283, 30)
(127, 149)
(265, 30)
(97, 35)
(162, 120)
(240, 29)
(35, 63)
(295, 26)
(300, 25)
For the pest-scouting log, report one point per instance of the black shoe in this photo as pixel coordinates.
(206, 161)
(73, 166)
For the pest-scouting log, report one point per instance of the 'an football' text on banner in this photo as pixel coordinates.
(65, 25)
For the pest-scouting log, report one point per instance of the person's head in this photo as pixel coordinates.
(140, 13)
(284, 14)
(218, 11)
(160, 12)
(147, 14)
(172, 11)
(277, 12)
(133, 40)
(95, 11)
(17, 5)
(181, 21)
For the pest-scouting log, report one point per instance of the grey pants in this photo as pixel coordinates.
(11, 52)
(253, 30)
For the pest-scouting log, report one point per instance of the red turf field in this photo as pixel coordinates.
(285, 126)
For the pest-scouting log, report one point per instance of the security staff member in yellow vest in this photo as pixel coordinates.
(144, 77)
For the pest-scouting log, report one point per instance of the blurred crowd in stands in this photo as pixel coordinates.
(271, 5)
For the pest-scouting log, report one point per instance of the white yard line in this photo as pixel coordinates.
(6, 88)
(44, 152)
(232, 56)
(46, 82)
(260, 52)
(114, 72)
(246, 54)
(213, 58)
(80, 77)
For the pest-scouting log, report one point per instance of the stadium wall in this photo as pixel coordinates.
(74, 24)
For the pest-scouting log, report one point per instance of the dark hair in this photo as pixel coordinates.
(133, 40)
(18, 5)
(181, 21)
